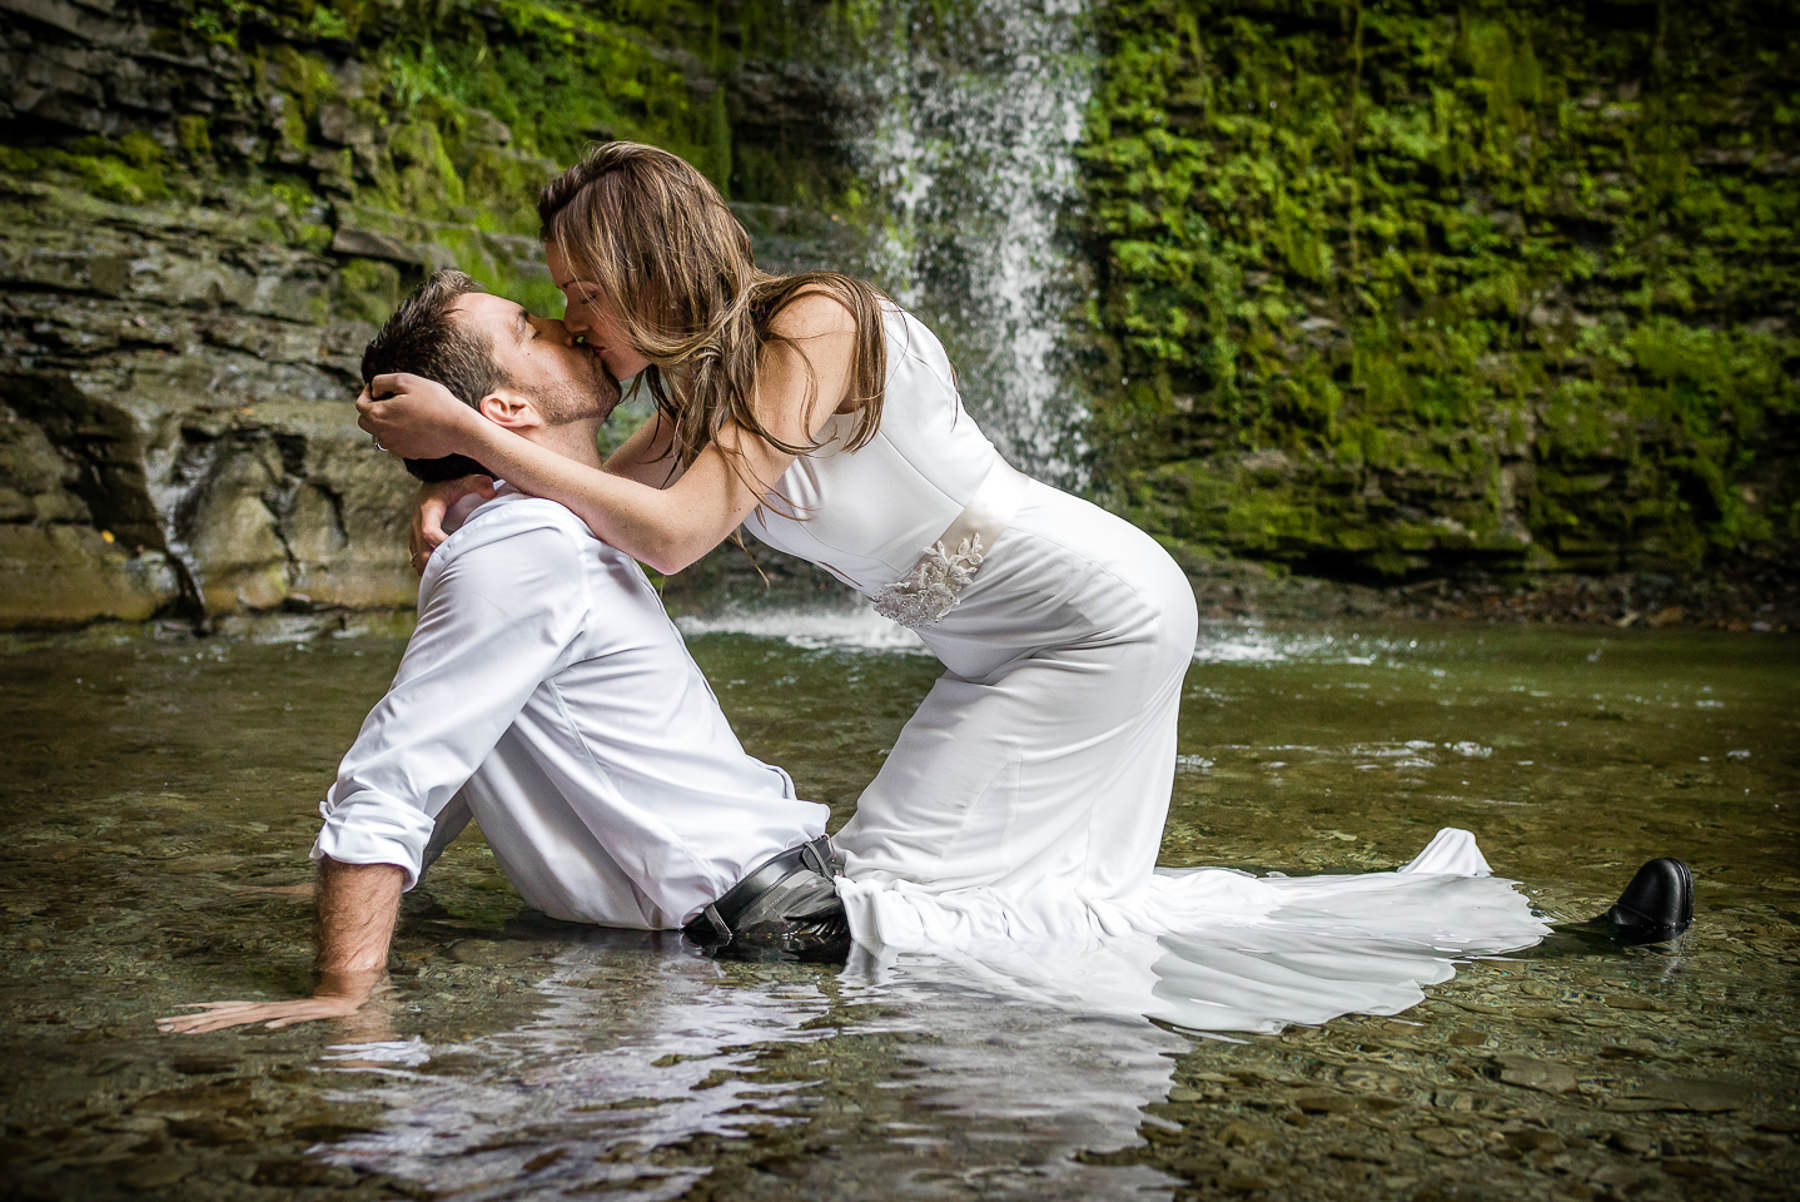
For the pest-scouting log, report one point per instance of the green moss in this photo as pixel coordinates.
(366, 290)
(129, 170)
(305, 76)
(218, 20)
(299, 214)
(1414, 243)
(425, 180)
(193, 136)
(494, 264)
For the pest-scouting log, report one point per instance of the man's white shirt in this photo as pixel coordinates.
(545, 689)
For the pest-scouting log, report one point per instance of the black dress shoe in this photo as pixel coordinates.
(1657, 905)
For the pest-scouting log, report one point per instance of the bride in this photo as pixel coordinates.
(1025, 799)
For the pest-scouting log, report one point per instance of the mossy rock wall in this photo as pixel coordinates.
(1379, 291)
(1406, 288)
(209, 205)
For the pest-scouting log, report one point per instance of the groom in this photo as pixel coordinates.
(546, 693)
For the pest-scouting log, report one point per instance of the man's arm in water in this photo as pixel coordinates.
(358, 904)
(494, 621)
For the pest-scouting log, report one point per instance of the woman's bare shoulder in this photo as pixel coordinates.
(813, 312)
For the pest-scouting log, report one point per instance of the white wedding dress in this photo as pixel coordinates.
(1025, 800)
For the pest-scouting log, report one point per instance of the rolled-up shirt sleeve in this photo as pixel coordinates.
(496, 618)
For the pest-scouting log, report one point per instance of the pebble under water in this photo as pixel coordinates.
(161, 797)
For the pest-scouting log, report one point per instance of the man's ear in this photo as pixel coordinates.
(509, 409)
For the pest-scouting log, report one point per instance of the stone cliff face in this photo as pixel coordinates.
(176, 438)
(1372, 291)
(207, 208)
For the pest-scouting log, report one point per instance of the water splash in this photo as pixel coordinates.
(856, 627)
(978, 109)
(811, 629)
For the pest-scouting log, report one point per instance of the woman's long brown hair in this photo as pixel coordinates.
(658, 241)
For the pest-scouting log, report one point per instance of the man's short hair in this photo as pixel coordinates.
(424, 339)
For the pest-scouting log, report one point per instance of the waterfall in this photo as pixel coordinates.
(977, 108)
(176, 472)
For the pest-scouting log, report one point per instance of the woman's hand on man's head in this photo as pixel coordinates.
(413, 417)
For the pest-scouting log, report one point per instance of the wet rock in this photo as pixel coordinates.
(1630, 1048)
(188, 442)
(323, 1127)
(1632, 1002)
(1692, 1169)
(159, 1172)
(543, 1160)
(1621, 1180)
(1360, 1155)
(291, 1173)
(1369, 1081)
(1532, 1139)
(372, 244)
(1325, 1103)
(1446, 1141)
(64, 575)
(212, 1131)
(1245, 1183)
(182, 865)
(1453, 1100)
(340, 124)
(1543, 1075)
(223, 1096)
(1241, 1134)
(487, 952)
(202, 1065)
(1692, 1096)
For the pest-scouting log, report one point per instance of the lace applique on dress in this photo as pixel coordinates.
(932, 588)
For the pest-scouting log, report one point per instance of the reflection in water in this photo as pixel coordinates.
(1260, 954)
(1048, 1041)
(628, 1057)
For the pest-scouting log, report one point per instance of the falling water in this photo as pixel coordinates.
(978, 108)
(175, 473)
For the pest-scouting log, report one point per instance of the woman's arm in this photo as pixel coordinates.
(644, 455)
(670, 528)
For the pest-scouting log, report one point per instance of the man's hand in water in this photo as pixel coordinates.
(357, 907)
(335, 999)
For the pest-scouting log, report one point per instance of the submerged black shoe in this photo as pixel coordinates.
(1657, 905)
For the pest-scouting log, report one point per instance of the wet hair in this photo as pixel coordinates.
(423, 339)
(656, 239)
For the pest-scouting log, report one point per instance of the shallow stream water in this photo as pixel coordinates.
(161, 793)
